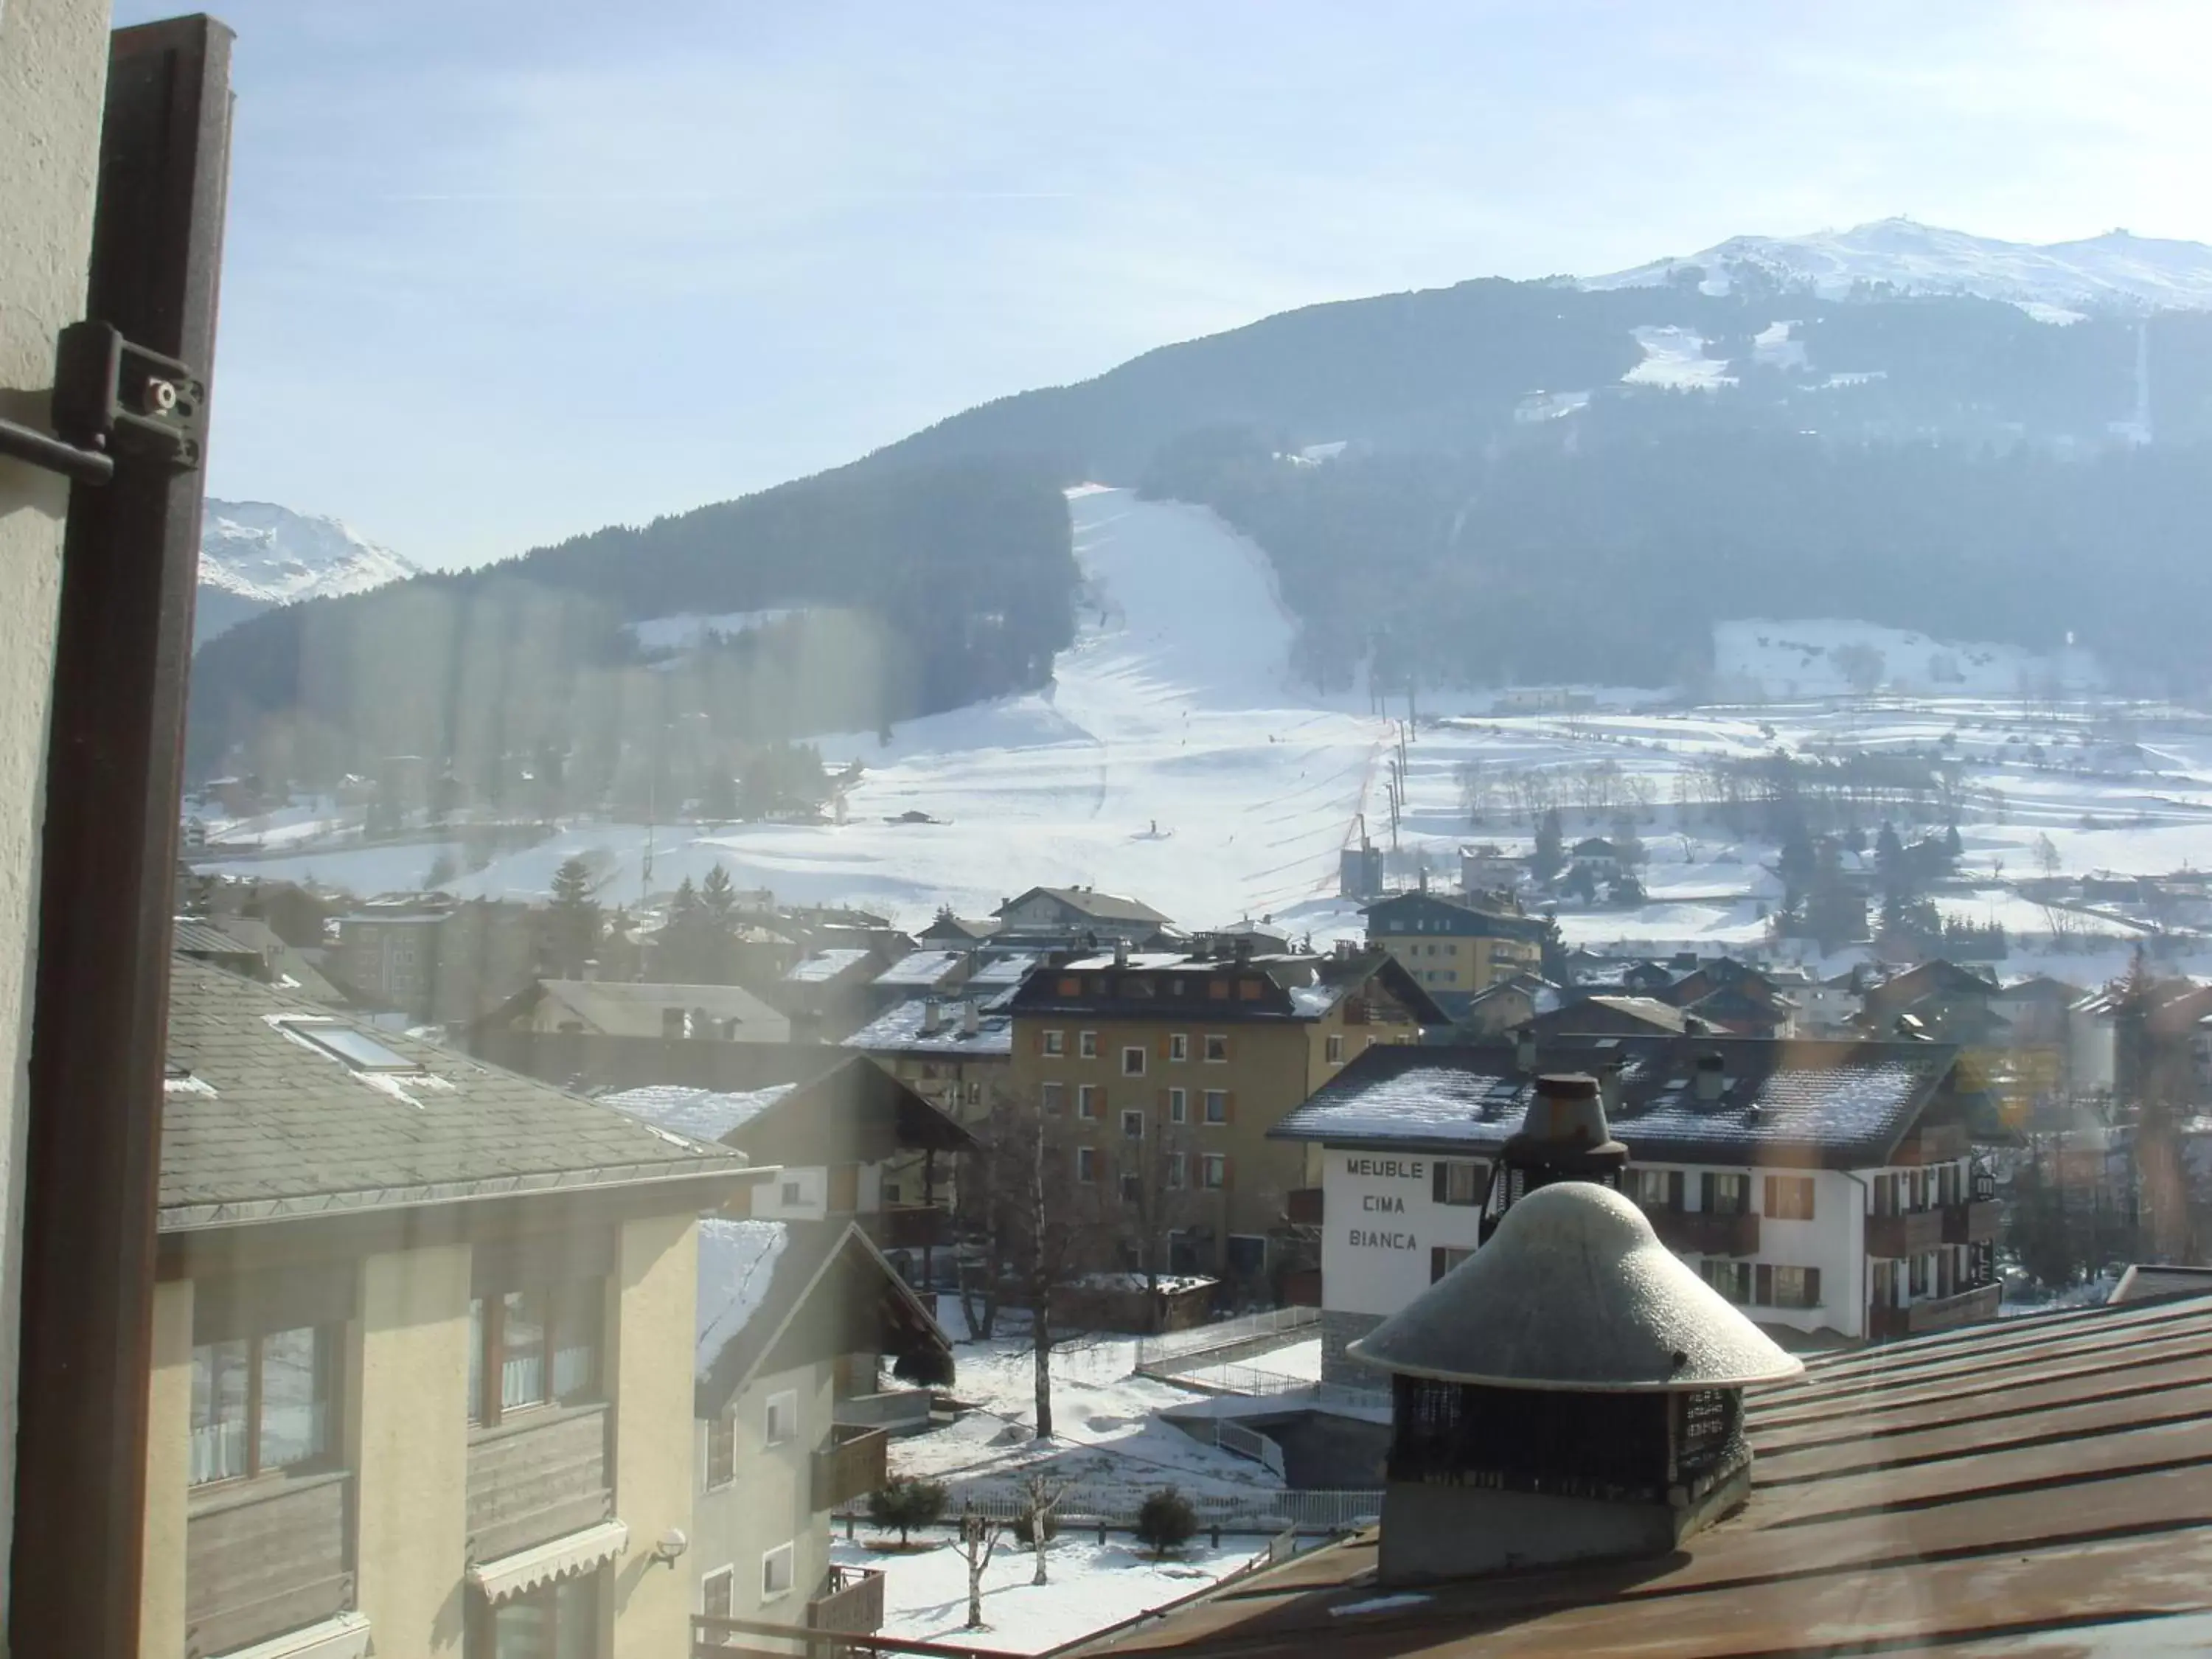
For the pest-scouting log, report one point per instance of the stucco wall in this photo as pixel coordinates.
(409, 1447)
(657, 1279)
(53, 71)
(770, 1502)
(169, 1472)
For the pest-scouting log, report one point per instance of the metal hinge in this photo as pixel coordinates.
(113, 399)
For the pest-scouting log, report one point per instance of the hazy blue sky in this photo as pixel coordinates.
(500, 273)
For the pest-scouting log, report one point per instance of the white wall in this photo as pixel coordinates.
(1380, 1220)
(53, 74)
(811, 1203)
(770, 1502)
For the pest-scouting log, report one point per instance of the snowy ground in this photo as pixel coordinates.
(1091, 1586)
(1173, 759)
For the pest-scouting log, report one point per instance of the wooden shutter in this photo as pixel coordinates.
(1228, 1171)
(1763, 1286)
(1705, 1192)
(1229, 1105)
(1436, 1262)
(1164, 1045)
(1773, 1197)
(1674, 1189)
(1438, 1191)
(1812, 1287)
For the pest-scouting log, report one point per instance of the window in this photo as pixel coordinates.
(782, 1418)
(775, 1572)
(559, 1620)
(1133, 1125)
(1246, 1256)
(1725, 1194)
(1217, 990)
(1216, 1050)
(261, 1403)
(1070, 985)
(1176, 1171)
(1731, 1279)
(1458, 1181)
(1132, 1061)
(717, 1593)
(1179, 1046)
(1217, 1105)
(722, 1449)
(1178, 1106)
(1443, 1258)
(1086, 1164)
(1086, 1100)
(1247, 990)
(534, 1347)
(1795, 1287)
(1212, 1171)
(1789, 1197)
(1055, 1043)
(1133, 1188)
(358, 1049)
(793, 1194)
(1655, 1189)
(1053, 1097)
(1086, 1045)
(1336, 1050)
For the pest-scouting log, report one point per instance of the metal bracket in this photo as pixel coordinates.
(112, 400)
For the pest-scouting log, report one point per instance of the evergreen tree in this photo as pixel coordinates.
(1796, 865)
(572, 926)
(1551, 855)
(686, 937)
(720, 898)
(1954, 849)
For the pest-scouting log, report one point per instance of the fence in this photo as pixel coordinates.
(1233, 1436)
(1269, 1512)
(1161, 1353)
(1257, 1383)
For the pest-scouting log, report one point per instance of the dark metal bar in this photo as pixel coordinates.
(123, 647)
(26, 443)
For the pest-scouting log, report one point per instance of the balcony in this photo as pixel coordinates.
(854, 1464)
(1933, 1143)
(911, 1226)
(543, 1474)
(1706, 1232)
(1971, 1223)
(1940, 1313)
(263, 1557)
(1909, 1234)
(1302, 1206)
(851, 1603)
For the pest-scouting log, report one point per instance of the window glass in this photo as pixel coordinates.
(576, 1342)
(522, 1365)
(1178, 1105)
(1217, 1048)
(1217, 1105)
(219, 1397)
(294, 1403)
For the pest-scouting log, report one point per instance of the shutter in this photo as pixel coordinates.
(1228, 1172)
(1705, 1192)
(1773, 1204)
(1039, 1039)
(1673, 1189)
(1436, 1262)
(1762, 1280)
(1812, 1287)
(1438, 1189)
(1229, 1105)
(1164, 1045)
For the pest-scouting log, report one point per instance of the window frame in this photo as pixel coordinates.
(488, 1337)
(1133, 1114)
(1178, 1045)
(1207, 1105)
(786, 1553)
(1216, 1049)
(1132, 1051)
(1051, 1098)
(1086, 1045)
(1214, 1172)
(1088, 1097)
(1178, 1105)
(726, 1575)
(1086, 1165)
(329, 1350)
(1055, 1043)
(1791, 1198)
(1333, 1051)
(721, 1434)
(783, 1399)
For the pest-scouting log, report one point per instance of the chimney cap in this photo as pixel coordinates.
(1566, 1116)
(1574, 1293)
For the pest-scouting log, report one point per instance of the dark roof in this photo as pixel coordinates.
(2027, 1486)
(1843, 1105)
(1099, 907)
(1465, 915)
(1925, 978)
(260, 1124)
(2160, 1283)
(1290, 986)
(195, 937)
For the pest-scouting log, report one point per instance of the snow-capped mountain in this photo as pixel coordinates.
(2115, 271)
(254, 555)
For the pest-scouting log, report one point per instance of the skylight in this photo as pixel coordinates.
(357, 1049)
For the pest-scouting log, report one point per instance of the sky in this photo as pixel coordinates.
(499, 274)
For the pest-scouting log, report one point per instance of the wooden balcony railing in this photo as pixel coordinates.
(1909, 1234)
(912, 1227)
(1707, 1232)
(1971, 1222)
(1302, 1206)
(543, 1474)
(851, 1603)
(263, 1557)
(1933, 1143)
(857, 1463)
(1940, 1313)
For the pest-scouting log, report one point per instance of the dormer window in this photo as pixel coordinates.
(356, 1050)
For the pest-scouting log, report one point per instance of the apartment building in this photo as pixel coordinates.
(1826, 1187)
(423, 1346)
(958, 1055)
(1454, 945)
(1159, 1075)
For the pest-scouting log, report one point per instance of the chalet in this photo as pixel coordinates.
(418, 1328)
(951, 932)
(1826, 1186)
(1600, 857)
(1454, 946)
(1611, 1016)
(1081, 912)
(1504, 1005)
(619, 1008)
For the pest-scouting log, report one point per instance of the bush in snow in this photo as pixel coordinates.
(1024, 1534)
(1166, 1520)
(907, 1504)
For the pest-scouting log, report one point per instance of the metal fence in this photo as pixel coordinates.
(1258, 1382)
(1115, 1508)
(1233, 1436)
(1162, 1350)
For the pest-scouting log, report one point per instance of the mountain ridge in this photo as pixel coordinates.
(255, 556)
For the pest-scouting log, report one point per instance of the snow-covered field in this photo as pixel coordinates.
(1172, 758)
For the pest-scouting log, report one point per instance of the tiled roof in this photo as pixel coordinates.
(1833, 1104)
(1099, 907)
(898, 1030)
(921, 967)
(637, 1007)
(258, 1124)
(2021, 1487)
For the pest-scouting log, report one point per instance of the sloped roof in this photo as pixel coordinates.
(701, 1113)
(2019, 1486)
(259, 1123)
(1089, 902)
(635, 1008)
(918, 968)
(1818, 1103)
(852, 1112)
(822, 966)
(898, 1030)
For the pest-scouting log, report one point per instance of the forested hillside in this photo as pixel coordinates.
(886, 595)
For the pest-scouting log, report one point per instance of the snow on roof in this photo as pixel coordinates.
(736, 1265)
(1007, 971)
(900, 1027)
(921, 968)
(699, 1113)
(823, 965)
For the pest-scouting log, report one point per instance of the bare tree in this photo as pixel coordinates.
(1044, 1225)
(2046, 852)
(978, 1541)
(1041, 1496)
(1155, 1171)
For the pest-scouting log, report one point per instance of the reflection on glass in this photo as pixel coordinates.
(576, 1623)
(522, 1372)
(294, 1425)
(219, 1402)
(575, 1339)
(523, 1629)
(476, 1360)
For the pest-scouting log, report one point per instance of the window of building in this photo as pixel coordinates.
(1731, 1279)
(1335, 1047)
(782, 1422)
(1052, 1097)
(1086, 1164)
(1179, 1046)
(1654, 1190)
(1086, 1100)
(1246, 1256)
(1790, 1287)
(1178, 1105)
(261, 1403)
(1217, 990)
(532, 1347)
(357, 1049)
(1212, 1171)
(1133, 1124)
(722, 1449)
(717, 1593)
(1176, 1171)
(1458, 1181)
(1789, 1197)
(1217, 1105)
(1216, 1050)
(776, 1571)
(1132, 1061)
(793, 1194)
(1086, 1045)
(1247, 990)
(1133, 1188)
(1070, 985)
(1725, 1194)
(1443, 1258)
(559, 1620)
(1055, 1043)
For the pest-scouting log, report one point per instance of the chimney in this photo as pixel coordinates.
(971, 1020)
(1242, 948)
(1564, 1136)
(1712, 1077)
(1609, 1425)
(1121, 953)
(929, 1016)
(1525, 1048)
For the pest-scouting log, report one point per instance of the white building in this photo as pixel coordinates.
(1826, 1187)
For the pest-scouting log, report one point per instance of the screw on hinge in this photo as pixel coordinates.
(159, 397)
